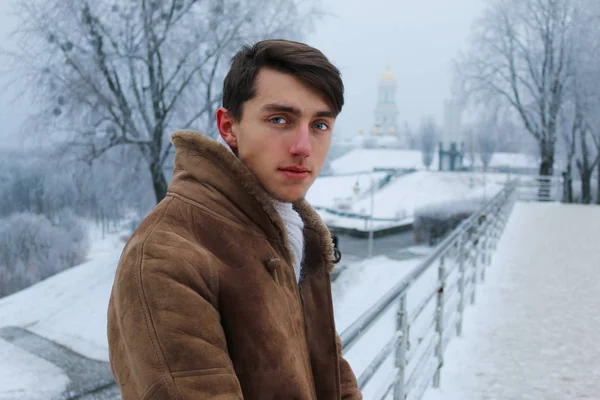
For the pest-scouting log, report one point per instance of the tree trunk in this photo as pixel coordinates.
(159, 182)
(547, 154)
(586, 187)
(568, 185)
(585, 169)
(546, 169)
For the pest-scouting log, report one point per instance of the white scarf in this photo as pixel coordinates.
(294, 225)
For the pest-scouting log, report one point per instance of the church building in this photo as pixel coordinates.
(385, 132)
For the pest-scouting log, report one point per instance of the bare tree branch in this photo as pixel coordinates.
(520, 54)
(111, 74)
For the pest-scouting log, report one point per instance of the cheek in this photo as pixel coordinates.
(262, 155)
(321, 148)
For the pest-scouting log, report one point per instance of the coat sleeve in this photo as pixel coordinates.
(349, 385)
(165, 337)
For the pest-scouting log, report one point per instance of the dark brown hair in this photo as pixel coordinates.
(304, 62)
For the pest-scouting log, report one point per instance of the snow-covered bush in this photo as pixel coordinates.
(32, 248)
(433, 222)
(44, 183)
(77, 233)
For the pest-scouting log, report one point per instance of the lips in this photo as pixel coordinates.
(295, 169)
(295, 172)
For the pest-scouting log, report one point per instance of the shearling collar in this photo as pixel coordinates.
(201, 163)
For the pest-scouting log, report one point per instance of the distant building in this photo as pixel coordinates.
(386, 110)
(385, 132)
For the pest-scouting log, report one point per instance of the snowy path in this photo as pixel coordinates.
(533, 333)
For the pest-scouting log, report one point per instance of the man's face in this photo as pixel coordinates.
(283, 136)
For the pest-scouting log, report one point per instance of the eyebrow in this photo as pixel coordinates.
(274, 107)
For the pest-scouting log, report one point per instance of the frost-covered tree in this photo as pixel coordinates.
(584, 95)
(112, 73)
(110, 188)
(520, 54)
(429, 135)
(579, 119)
(486, 137)
(32, 248)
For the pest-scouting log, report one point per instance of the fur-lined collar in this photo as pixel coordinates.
(201, 159)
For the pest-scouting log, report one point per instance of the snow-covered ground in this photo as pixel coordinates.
(533, 333)
(396, 203)
(399, 200)
(338, 221)
(518, 341)
(360, 287)
(362, 159)
(508, 160)
(24, 376)
(359, 160)
(68, 308)
(333, 191)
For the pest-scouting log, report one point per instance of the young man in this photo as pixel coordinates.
(223, 292)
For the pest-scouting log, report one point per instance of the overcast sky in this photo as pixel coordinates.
(417, 38)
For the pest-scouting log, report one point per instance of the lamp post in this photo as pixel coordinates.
(370, 251)
(371, 226)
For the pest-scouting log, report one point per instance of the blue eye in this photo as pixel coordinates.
(278, 120)
(321, 126)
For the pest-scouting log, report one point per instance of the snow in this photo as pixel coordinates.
(359, 160)
(331, 191)
(70, 307)
(398, 200)
(27, 377)
(517, 340)
(360, 287)
(353, 291)
(396, 203)
(511, 160)
(335, 221)
(73, 312)
(533, 331)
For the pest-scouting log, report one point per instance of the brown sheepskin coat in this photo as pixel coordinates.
(205, 303)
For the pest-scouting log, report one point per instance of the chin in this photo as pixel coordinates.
(288, 197)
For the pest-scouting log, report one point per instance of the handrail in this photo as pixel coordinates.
(539, 187)
(354, 330)
(472, 241)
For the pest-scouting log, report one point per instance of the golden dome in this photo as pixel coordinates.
(387, 75)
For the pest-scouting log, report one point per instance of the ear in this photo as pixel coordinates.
(225, 123)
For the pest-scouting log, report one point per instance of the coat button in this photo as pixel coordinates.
(273, 264)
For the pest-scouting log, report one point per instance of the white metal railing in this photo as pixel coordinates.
(423, 329)
(539, 188)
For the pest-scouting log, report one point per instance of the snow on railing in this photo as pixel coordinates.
(424, 329)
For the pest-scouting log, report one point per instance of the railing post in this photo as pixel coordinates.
(486, 247)
(461, 283)
(498, 224)
(492, 227)
(491, 237)
(440, 322)
(402, 326)
(475, 257)
(483, 253)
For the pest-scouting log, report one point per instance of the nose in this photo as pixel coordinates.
(301, 146)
